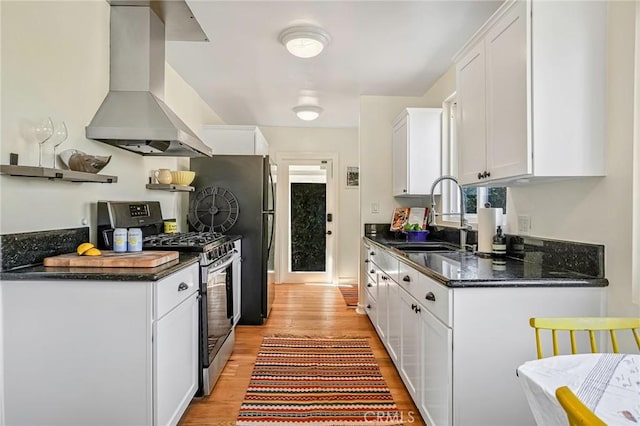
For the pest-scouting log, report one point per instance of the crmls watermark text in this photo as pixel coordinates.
(386, 417)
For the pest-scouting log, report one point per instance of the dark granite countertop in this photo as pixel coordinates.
(44, 273)
(464, 269)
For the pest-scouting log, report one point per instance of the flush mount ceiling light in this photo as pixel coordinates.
(304, 41)
(307, 112)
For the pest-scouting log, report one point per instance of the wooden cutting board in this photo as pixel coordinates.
(111, 259)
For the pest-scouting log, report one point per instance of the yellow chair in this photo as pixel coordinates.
(578, 414)
(590, 324)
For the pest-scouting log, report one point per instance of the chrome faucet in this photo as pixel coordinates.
(464, 226)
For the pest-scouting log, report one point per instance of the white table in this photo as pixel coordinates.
(609, 384)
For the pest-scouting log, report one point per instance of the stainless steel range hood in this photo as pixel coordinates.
(133, 116)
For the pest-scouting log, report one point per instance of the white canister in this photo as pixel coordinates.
(120, 240)
(135, 239)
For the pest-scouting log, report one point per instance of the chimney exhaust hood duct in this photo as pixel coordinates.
(133, 116)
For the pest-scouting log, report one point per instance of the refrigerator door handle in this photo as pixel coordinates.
(273, 227)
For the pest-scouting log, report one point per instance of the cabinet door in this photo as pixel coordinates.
(471, 98)
(410, 343)
(436, 390)
(508, 144)
(400, 152)
(383, 309)
(370, 307)
(394, 330)
(175, 353)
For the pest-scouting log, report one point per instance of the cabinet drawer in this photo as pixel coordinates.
(435, 297)
(407, 277)
(170, 291)
(387, 263)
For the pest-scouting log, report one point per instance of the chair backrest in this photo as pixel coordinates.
(588, 324)
(578, 414)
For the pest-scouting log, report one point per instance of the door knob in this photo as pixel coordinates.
(329, 232)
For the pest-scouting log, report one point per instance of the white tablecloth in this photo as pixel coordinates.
(609, 384)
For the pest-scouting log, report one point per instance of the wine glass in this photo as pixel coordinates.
(43, 131)
(61, 135)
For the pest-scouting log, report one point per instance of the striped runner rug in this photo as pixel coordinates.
(349, 294)
(317, 381)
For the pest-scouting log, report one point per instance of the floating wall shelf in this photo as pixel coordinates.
(170, 187)
(52, 174)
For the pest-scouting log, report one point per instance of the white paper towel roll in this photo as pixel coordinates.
(488, 220)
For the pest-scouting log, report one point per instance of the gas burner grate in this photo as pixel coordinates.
(182, 240)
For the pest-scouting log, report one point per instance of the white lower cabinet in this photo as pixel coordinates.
(370, 307)
(175, 361)
(394, 311)
(457, 348)
(100, 352)
(410, 352)
(435, 400)
(382, 324)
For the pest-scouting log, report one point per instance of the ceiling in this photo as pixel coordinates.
(386, 48)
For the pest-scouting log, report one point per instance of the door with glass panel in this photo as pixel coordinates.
(309, 233)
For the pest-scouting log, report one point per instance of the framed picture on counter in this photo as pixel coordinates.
(353, 176)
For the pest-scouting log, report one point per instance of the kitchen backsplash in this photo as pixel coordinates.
(30, 248)
(583, 258)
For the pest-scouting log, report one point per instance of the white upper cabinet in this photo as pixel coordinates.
(531, 94)
(471, 98)
(416, 150)
(235, 140)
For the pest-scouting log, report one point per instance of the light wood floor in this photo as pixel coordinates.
(299, 309)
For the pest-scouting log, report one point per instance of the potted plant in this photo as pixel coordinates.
(415, 232)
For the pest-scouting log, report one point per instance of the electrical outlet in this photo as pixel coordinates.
(375, 208)
(524, 224)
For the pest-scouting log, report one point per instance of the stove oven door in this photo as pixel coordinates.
(216, 313)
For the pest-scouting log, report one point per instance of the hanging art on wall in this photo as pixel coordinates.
(353, 176)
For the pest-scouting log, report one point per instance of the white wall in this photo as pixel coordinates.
(598, 210)
(55, 62)
(344, 141)
(377, 114)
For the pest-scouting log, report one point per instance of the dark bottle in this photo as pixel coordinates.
(499, 247)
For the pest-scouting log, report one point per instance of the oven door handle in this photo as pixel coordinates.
(232, 257)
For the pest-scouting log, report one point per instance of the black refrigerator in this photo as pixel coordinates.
(235, 195)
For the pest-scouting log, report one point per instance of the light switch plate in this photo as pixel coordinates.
(524, 224)
(375, 208)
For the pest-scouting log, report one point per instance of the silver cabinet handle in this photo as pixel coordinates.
(183, 287)
(430, 296)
